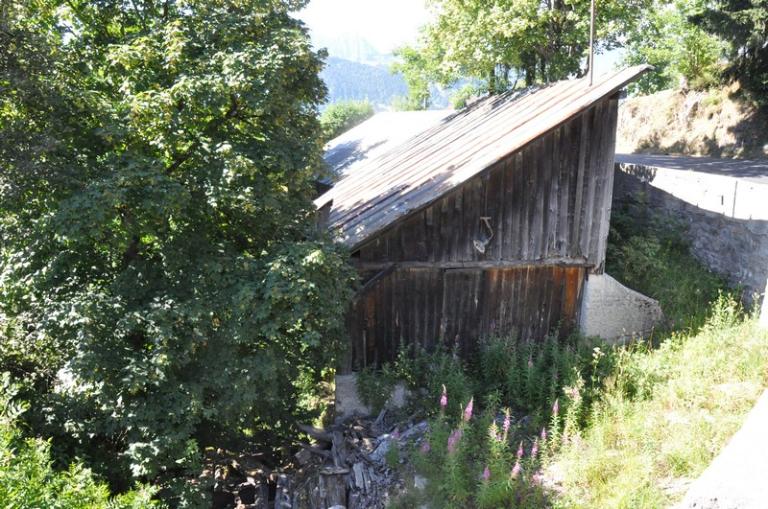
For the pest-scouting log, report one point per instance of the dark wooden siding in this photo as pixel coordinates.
(549, 209)
(548, 201)
(455, 307)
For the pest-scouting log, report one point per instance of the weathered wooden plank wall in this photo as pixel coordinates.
(548, 201)
(548, 205)
(454, 307)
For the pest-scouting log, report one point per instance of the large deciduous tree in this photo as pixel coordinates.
(501, 42)
(679, 50)
(158, 250)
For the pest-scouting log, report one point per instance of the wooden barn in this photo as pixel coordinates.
(487, 223)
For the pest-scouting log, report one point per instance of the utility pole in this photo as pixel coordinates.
(591, 41)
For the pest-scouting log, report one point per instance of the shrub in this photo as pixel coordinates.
(27, 476)
(340, 117)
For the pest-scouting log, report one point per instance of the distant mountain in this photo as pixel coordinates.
(352, 47)
(347, 80)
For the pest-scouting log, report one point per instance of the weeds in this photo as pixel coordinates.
(576, 423)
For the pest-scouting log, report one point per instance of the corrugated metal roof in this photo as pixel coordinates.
(376, 136)
(462, 145)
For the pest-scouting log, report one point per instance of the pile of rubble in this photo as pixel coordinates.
(349, 465)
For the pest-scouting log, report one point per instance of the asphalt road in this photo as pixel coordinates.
(753, 170)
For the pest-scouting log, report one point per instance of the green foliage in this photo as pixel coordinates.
(665, 413)
(158, 233)
(464, 95)
(418, 73)
(27, 476)
(375, 387)
(340, 117)
(502, 42)
(678, 49)
(649, 253)
(742, 24)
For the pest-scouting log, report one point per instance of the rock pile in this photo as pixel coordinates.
(347, 466)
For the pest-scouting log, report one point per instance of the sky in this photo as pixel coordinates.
(386, 24)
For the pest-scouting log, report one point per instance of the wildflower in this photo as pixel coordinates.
(556, 407)
(516, 470)
(535, 448)
(486, 473)
(537, 478)
(453, 440)
(468, 410)
(507, 422)
(425, 447)
(520, 451)
(543, 434)
(444, 399)
(493, 432)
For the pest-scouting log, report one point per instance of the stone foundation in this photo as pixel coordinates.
(616, 313)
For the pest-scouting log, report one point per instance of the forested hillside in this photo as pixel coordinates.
(353, 81)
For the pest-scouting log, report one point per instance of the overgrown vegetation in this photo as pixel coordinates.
(572, 422)
(27, 476)
(163, 287)
(665, 413)
(340, 117)
(649, 253)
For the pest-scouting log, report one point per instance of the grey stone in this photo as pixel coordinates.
(385, 442)
(419, 482)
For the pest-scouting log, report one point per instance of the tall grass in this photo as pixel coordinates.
(631, 424)
(664, 414)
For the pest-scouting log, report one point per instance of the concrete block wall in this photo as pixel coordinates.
(727, 218)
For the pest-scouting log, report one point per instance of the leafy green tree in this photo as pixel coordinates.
(505, 42)
(418, 71)
(158, 238)
(28, 479)
(678, 49)
(343, 116)
(744, 25)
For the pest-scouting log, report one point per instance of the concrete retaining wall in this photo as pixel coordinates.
(616, 313)
(727, 218)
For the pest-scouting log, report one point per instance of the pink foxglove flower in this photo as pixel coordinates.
(535, 448)
(486, 473)
(516, 470)
(520, 451)
(444, 399)
(556, 407)
(453, 440)
(468, 410)
(507, 422)
(543, 434)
